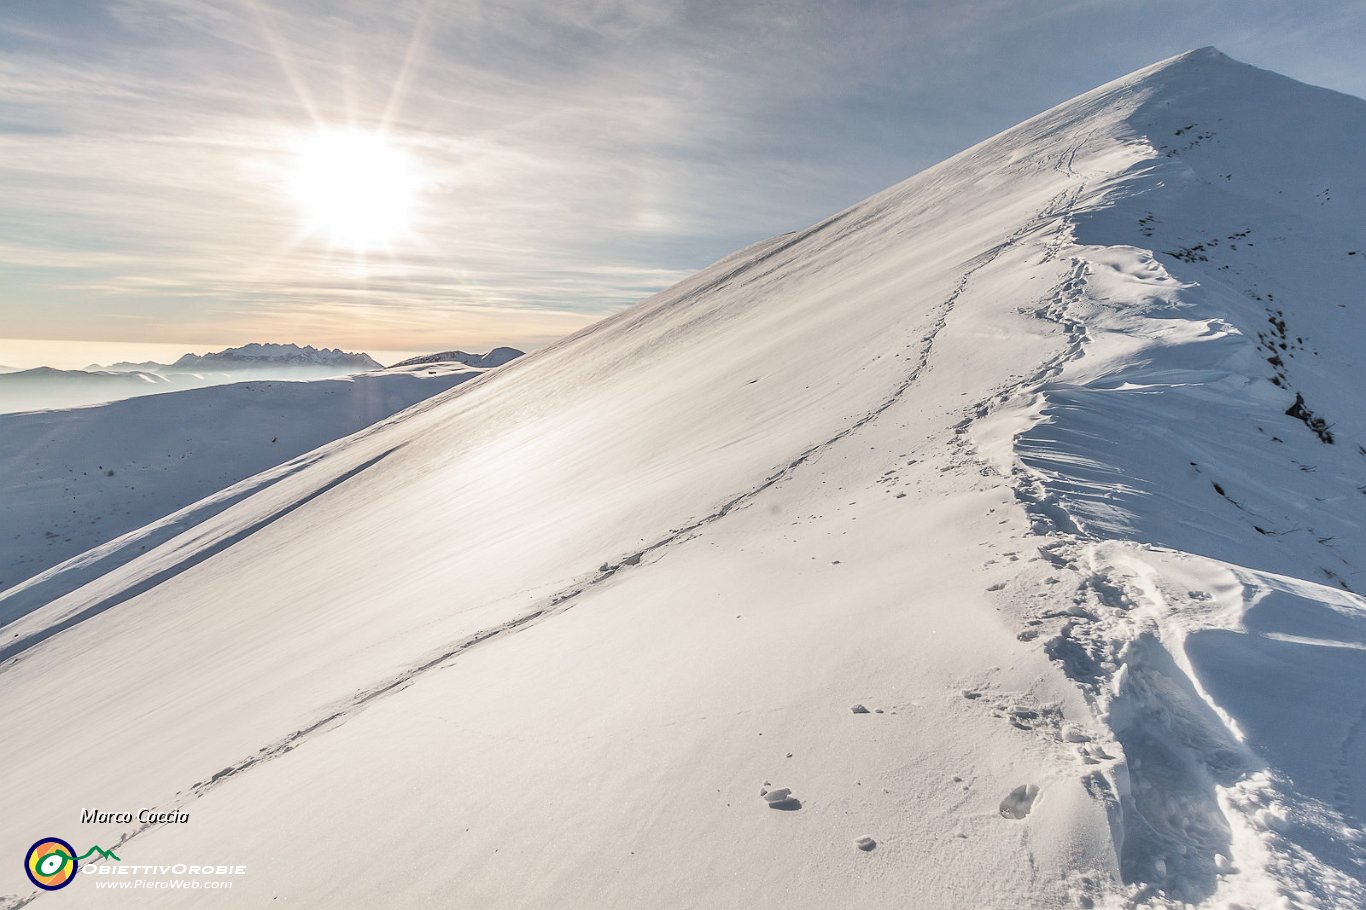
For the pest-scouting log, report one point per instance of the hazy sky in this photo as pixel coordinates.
(564, 158)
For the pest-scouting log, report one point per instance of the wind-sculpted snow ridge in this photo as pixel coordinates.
(1216, 545)
(1070, 538)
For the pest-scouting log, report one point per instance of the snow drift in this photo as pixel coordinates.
(1050, 600)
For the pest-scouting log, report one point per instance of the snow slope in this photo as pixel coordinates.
(545, 639)
(73, 480)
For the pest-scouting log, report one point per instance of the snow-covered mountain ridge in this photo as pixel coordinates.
(259, 355)
(546, 637)
(46, 387)
(43, 388)
(494, 358)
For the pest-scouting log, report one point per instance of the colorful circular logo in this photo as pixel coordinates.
(50, 863)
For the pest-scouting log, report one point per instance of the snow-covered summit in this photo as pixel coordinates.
(594, 629)
(494, 358)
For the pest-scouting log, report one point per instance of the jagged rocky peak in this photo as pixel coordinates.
(274, 355)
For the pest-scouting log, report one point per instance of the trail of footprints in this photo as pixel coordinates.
(1021, 711)
(1025, 713)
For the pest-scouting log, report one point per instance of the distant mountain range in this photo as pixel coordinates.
(259, 356)
(124, 366)
(254, 356)
(48, 387)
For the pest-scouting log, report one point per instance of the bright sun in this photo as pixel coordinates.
(355, 187)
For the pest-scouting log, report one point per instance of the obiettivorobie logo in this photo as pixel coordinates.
(51, 863)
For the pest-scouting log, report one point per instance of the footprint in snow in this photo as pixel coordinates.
(1019, 802)
(1072, 733)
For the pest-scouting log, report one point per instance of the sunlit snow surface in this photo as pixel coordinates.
(996, 454)
(74, 481)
